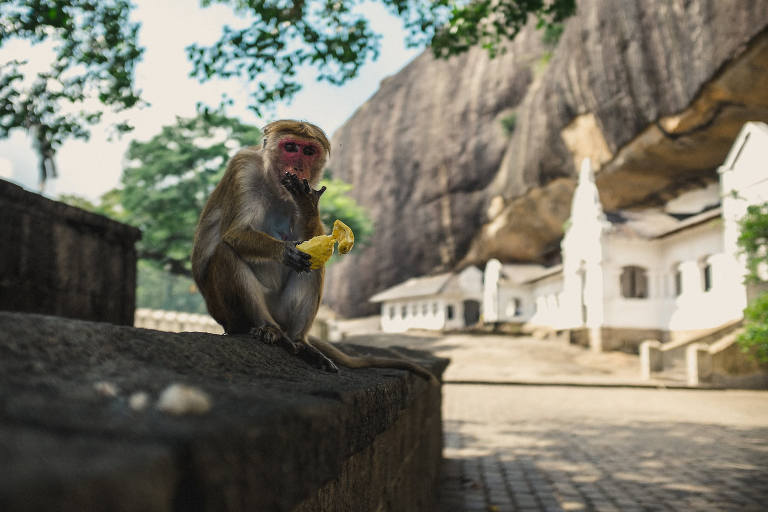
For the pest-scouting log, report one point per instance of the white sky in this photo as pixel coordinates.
(91, 168)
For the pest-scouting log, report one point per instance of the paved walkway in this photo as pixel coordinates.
(574, 448)
(548, 448)
(517, 359)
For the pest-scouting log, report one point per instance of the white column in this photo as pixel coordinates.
(593, 294)
(691, 278)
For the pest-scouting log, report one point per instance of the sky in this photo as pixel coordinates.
(89, 169)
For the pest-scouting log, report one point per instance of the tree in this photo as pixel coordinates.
(168, 179)
(158, 289)
(337, 204)
(336, 39)
(94, 50)
(753, 241)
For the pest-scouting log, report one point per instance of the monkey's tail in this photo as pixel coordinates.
(371, 361)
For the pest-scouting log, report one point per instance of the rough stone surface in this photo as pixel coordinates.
(653, 91)
(279, 436)
(61, 260)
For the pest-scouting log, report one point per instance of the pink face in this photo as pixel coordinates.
(299, 156)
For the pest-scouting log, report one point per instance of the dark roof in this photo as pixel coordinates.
(656, 223)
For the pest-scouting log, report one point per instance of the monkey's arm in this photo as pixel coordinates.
(254, 246)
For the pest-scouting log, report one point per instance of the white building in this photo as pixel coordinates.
(630, 275)
(443, 301)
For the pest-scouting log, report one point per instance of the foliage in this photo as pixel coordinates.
(159, 289)
(508, 123)
(753, 241)
(95, 53)
(331, 36)
(168, 179)
(754, 339)
(552, 33)
(80, 202)
(337, 204)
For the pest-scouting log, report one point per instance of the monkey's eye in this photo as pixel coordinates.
(291, 147)
(309, 150)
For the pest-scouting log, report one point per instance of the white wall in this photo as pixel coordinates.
(695, 308)
(506, 304)
(548, 295)
(491, 308)
(581, 301)
(429, 313)
(744, 182)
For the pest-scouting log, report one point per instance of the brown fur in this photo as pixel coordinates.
(245, 239)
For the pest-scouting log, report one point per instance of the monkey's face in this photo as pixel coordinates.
(300, 156)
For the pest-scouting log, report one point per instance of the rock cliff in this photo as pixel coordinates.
(654, 92)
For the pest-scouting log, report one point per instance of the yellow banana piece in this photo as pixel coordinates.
(320, 248)
(344, 235)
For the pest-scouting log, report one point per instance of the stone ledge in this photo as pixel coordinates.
(29, 203)
(279, 435)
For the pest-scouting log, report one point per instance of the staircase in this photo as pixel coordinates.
(668, 362)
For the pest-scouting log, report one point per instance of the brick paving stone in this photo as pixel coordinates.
(521, 448)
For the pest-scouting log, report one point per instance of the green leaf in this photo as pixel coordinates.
(96, 49)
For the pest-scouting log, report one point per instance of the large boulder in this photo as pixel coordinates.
(653, 92)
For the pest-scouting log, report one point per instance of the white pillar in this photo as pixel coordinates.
(691, 278)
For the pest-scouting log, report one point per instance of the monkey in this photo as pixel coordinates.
(244, 258)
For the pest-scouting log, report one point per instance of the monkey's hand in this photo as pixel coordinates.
(320, 248)
(304, 195)
(296, 259)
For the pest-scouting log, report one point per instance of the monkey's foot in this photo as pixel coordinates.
(272, 335)
(316, 358)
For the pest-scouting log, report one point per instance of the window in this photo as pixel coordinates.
(634, 282)
(515, 307)
(391, 311)
(403, 311)
(424, 309)
(435, 308)
(678, 281)
(706, 275)
(449, 312)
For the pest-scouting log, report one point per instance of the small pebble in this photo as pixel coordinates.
(138, 401)
(180, 399)
(105, 388)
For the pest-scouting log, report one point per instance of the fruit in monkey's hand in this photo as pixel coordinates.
(321, 247)
(344, 235)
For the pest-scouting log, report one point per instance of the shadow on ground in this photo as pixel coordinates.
(597, 466)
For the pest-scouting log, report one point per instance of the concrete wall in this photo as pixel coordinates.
(548, 294)
(430, 313)
(731, 367)
(724, 364)
(276, 435)
(61, 260)
(694, 308)
(176, 321)
(627, 340)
